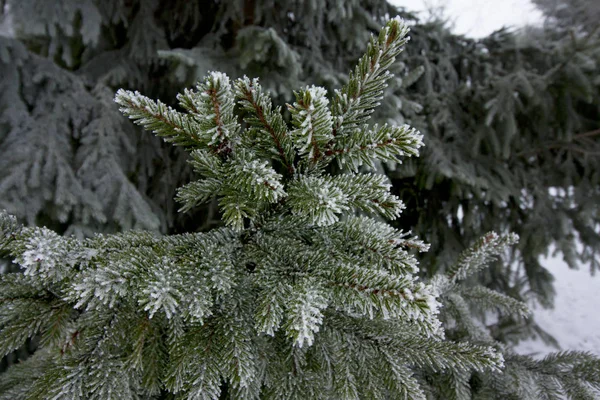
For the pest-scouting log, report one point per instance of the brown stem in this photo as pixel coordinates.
(223, 146)
(595, 132)
(391, 38)
(261, 116)
(364, 288)
(361, 148)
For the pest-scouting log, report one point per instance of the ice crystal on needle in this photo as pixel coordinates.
(44, 255)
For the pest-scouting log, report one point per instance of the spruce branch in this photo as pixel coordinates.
(209, 165)
(18, 379)
(198, 192)
(458, 356)
(370, 193)
(489, 299)
(379, 292)
(206, 163)
(19, 286)
(212, 108)
(254, 177)
(559, 375)
(304, 315)
(318, 199)
(272, 136)
(353, 105)
(322, 199)
(367, 240)
(570, 374)
(251, 184)
(21, 319)
(313, 121)
(402, 381)
(175, 127)
(477, 256)
(8, 225)
(385, 143)
(270, 309)
(43, 253)
(460, 310)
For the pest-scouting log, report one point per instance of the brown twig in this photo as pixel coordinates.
(261, 116)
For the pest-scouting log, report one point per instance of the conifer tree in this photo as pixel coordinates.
(512, 140)
(578, 16)
(305, 292)
(510, 121)
(486, 159)
(568, 374)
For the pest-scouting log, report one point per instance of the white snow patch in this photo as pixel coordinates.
(575, 320)
(473, 17)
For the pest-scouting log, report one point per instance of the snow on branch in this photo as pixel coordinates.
(482, 252)
(353, 105)
(304, 289)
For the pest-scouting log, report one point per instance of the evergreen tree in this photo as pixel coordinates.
(300, 295)
(511, 126)
(571, 15)
(91, 48)
(486, 161)
(510, 121)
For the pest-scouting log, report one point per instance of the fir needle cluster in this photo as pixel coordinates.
(303, 293)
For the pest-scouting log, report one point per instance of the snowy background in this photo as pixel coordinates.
(476, 18)
(575, 320)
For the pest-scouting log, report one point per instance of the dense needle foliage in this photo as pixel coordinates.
(305, 292)
(510, 124)
(510, 121)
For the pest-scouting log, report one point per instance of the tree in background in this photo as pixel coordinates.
(508, 121)
(512, 138)
(578, 16)
(88, 49)
(304, 293)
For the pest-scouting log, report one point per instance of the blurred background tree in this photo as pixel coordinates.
(571, 15)
(511, 121)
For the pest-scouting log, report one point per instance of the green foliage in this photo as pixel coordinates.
(132, 315)
(510, 120)
(511, 134)
(354, 104)
(510, 124)
(313, 121)
(269, 130)
(210, 120)
(571, 374)
(479, 255)
(383, 143)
